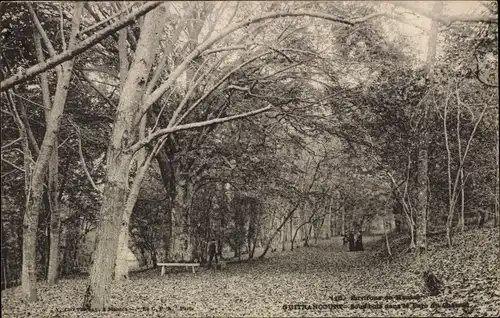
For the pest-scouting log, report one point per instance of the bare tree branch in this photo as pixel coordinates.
(12, 164)
(126, 9)
(155, 95)
(11, 143)
(175, 128)
(81, 75)
(34, 70)
(82, 158)
(222, 49)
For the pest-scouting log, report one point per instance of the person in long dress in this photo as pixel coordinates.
(212, 249)
(358, 244)
(351, 241)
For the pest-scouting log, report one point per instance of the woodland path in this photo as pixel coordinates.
(305, 276)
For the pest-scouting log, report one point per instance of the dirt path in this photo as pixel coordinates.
(321, 280)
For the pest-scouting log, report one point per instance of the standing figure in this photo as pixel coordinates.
(351, 241)
(358, 245)
(345, 239)
(212, 252)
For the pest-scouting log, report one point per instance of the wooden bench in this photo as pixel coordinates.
(163, 265)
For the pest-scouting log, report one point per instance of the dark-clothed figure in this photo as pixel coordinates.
(345, 239)
(212, 252)
(358, 244)
(351, 241)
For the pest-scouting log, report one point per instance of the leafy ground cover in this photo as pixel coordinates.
(321, 280)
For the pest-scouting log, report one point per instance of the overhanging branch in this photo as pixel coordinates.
(29, 73)
(172, 129)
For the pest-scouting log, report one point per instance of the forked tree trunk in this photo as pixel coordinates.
(53, 185)
(34, 200)
(118, 163)
(121, 266)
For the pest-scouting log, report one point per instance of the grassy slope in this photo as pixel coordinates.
(305, 276)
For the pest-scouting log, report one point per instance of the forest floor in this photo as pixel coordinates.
(321, 280)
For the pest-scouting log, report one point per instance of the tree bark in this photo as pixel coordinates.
(34, 200)
(423, 157)
(462, 180)
(121, 266)
(55, 222)
(497, 182)
(386, 238)
(116, 188)
(181, 246)
(53, 175)
(329, 227)
(343, 220)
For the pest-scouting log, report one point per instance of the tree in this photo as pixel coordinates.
(34, 196)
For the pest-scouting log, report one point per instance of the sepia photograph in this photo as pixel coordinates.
(249, 159)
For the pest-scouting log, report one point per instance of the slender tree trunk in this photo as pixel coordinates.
(278, 230)
(116, 188)
(423, 157)
(55, 222)
(462, 181)
(302, 217)
(34, 200)
(285, 238)
(343, 220)
(329, 228)
(497, 182)
(121, 267)
(386, 238)
(282, 239)
(53, 173)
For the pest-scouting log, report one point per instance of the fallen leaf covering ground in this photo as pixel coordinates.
(314, 281)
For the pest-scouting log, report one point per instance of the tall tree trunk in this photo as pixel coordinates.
(121, 266)
(497, 182)
(116, 188)
(283, 239)
(181, 245)
(386, 238)
(55, 222)
(423, 157)
(329, 227)
(343, 220)
(34, 199)
(53, 173)
(462, 180)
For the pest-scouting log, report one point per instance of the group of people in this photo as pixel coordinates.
(355, 241)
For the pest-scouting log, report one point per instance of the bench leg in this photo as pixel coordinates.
(162, 270)
(193, 270)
